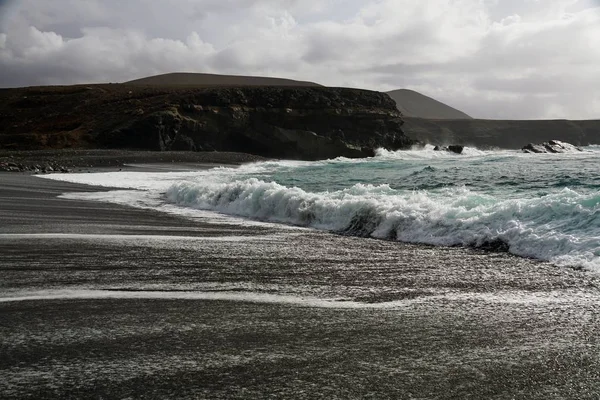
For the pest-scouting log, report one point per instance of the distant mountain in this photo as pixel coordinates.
(198, 79)
(414, 104)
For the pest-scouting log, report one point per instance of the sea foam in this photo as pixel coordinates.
(562, 227)
(500, 200)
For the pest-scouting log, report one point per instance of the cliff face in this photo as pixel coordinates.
(284, 122)
(502, 133)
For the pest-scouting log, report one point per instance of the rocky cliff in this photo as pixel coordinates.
(501, 133)
(283, 122)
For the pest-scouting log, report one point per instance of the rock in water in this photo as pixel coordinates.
(452, 148)
(563, 147)
(456, 149)
(534, 148)
(551, 146)
(495, 245)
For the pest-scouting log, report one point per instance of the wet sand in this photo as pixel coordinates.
(99, 300)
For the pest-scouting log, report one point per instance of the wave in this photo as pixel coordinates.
(561, 227)
(427, 151)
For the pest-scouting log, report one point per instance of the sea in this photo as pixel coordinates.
(541, 206)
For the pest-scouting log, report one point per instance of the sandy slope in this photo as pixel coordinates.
(415, 104)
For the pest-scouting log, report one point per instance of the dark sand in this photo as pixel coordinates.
(409, 322)
(78, 160)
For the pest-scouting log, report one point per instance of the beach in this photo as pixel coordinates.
(100, 300)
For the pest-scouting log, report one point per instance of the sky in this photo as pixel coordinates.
(500, 59)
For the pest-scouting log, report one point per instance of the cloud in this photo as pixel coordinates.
(100, 54)
(490, 58)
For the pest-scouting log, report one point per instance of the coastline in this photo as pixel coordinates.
(79, 160)
(499, 325)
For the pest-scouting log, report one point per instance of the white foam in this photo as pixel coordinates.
(562, 227)
(147, 181)
(249, 297)
(428, 152)
(147, 238)
(531, 227)
(501, 297)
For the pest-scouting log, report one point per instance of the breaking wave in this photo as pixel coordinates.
(562, 227)
(428, 151)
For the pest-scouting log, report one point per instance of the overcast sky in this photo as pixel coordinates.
(488, 58)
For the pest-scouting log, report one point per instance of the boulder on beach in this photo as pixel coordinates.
(551, 146)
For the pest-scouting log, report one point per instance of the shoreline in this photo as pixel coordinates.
(145, 161)
(495, 247)
(169, 310)
(81, 160)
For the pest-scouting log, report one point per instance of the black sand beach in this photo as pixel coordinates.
(104, 301)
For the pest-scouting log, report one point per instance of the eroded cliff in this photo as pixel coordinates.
(504, 134)
(284, 122)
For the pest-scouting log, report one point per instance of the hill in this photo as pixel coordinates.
(507, 134)
(207, 80)
(263, 116)
(414, 104)
(281, 122)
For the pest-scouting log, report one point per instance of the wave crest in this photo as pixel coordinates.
(562, 227)
(427, 151)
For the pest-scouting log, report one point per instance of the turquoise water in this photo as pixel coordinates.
(507, 174)
(544, 206)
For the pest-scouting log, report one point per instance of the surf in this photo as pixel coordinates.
(560, 227)
(545, 207)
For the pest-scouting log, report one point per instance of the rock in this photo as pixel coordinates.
(368, 151)
(456, 149)
(551, 146)
(562, 147)
(183, 143)
(534, 148)
(306, 145)
(296, 123)
(282, 121)
(452, 148)
(495, 245)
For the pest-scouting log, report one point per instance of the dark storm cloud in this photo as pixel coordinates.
(491, 58)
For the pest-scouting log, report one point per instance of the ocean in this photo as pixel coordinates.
(294, 279)
(542, 206)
